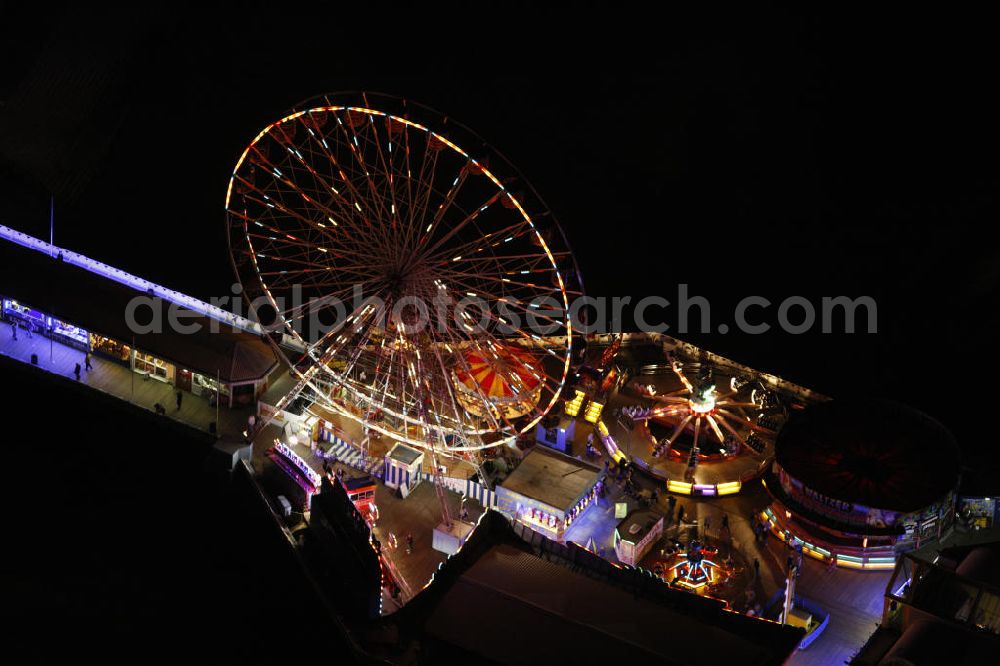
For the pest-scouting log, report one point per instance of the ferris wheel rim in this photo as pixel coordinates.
(308, 107)
(508, 164)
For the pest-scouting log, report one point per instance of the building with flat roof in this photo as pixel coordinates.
(941, 612)
(545, 602)
(548, 491)
(81, 308)
(636, 534)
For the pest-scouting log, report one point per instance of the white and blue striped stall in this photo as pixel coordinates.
(402, 467)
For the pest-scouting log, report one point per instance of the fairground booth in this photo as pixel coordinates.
(403, 467)
(556, 431)
(548, 491)
(636, 534)
(861, 481)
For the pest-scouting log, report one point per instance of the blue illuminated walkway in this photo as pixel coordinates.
(118, 380)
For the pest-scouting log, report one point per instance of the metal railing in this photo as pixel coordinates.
(140, 284)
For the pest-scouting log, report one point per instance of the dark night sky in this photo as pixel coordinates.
(776, 156)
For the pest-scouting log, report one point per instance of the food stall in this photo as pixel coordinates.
(23, 315)
(68, 334)
(157, 368)
(36, 321)
(206, 385)
(111, 349)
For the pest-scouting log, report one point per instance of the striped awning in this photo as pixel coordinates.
(500, 373)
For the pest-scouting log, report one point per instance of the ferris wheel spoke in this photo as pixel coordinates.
(460, 225)
(354, 148)
(320, 359)
(387, 171)
(353, 210)
(537, 257)
(424, 190)
(344, 209)
(270, 203)
(514, 303)
(422, 185)
(374, 203)
(358, 351)
(329, 297)
(487, 241)
(311, 265)
(446, 204)
(273, 171)
(511, 283)
(303, 247)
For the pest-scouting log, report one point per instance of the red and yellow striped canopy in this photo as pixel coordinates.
(497, 371)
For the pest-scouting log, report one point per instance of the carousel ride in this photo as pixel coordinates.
(422, 282)
(693, 569)
(699, 423)
(702, 568)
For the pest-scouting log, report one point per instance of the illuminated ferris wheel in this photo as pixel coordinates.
(426, 281)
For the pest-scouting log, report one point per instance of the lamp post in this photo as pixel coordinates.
(218, 386)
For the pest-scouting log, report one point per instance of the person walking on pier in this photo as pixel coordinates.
(76, 371)
(180, 398)
(86, 362)
(13, 329)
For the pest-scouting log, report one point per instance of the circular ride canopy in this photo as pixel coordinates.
(424, 277)
(871, 453)
(488, 376)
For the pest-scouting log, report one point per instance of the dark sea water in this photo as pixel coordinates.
(117, 544)
(782, 156)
